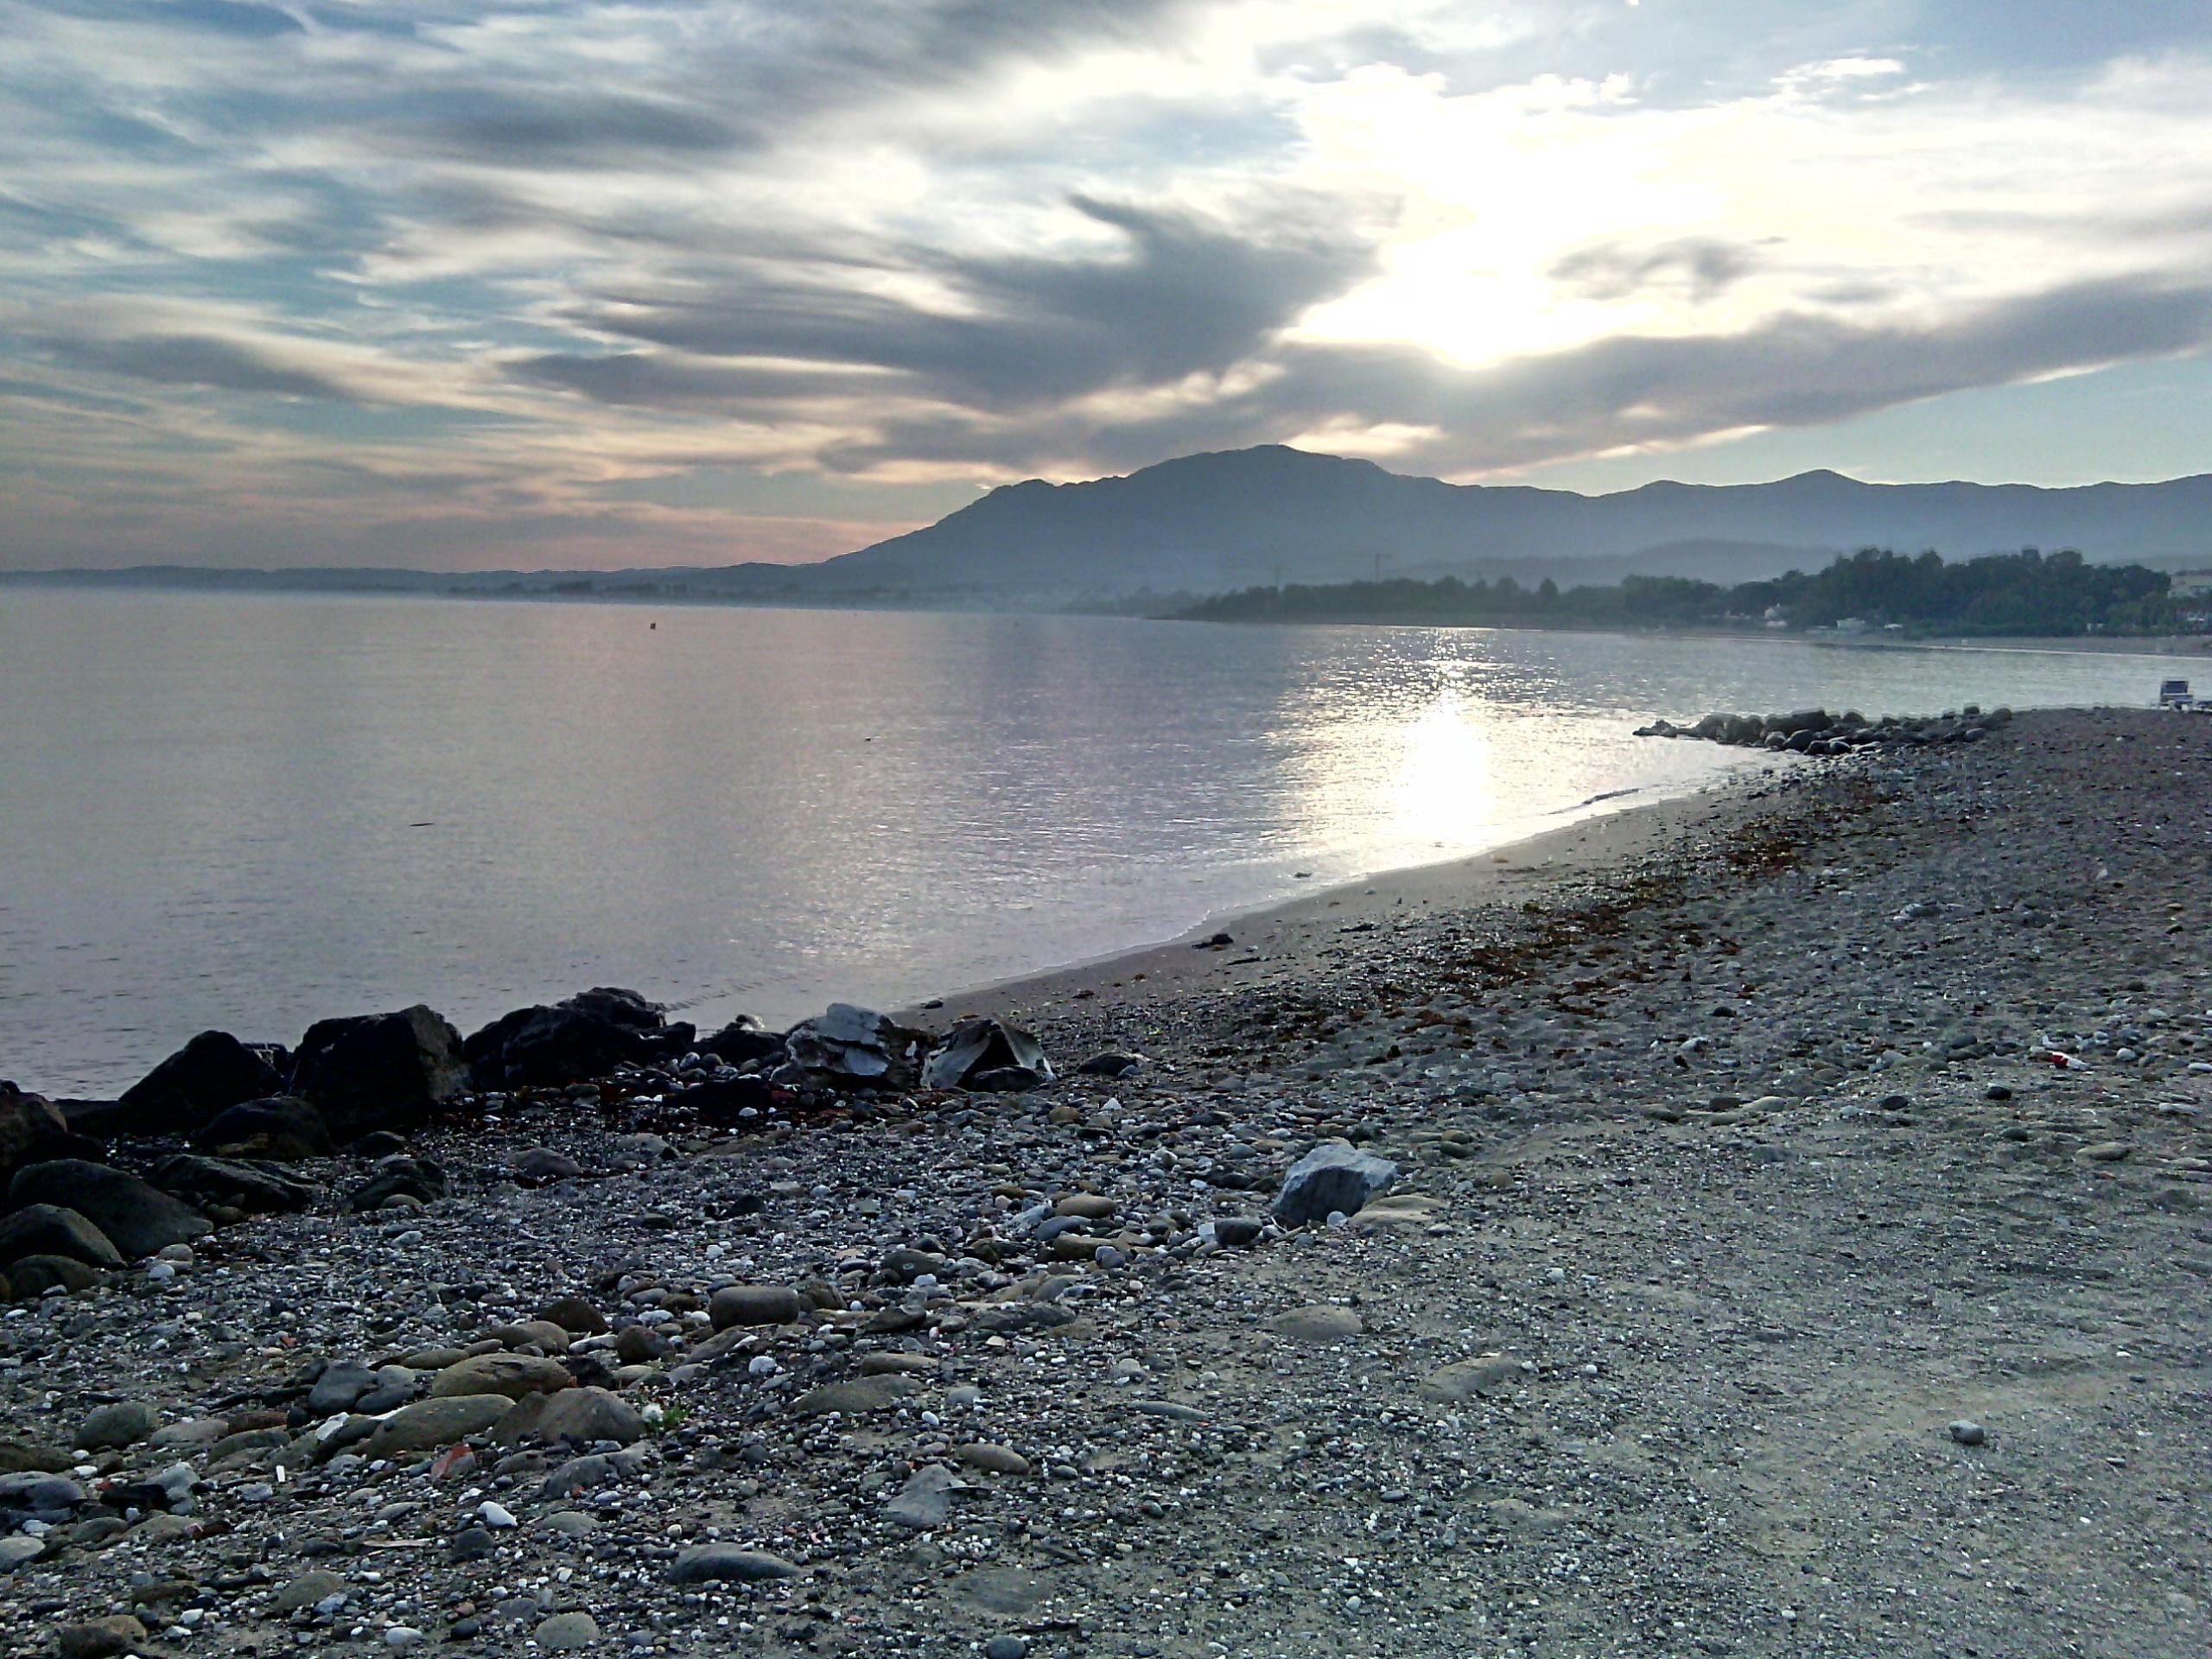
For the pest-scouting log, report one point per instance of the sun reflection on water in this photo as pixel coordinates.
(1442, 788)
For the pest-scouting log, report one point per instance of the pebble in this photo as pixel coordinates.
(1967, 1432)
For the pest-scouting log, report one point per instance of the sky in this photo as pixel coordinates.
(571, 285)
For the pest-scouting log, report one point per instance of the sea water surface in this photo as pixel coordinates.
(253, 812)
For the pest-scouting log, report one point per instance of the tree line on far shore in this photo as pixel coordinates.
(2023, 593)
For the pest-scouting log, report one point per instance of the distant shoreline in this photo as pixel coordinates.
(2182, 645)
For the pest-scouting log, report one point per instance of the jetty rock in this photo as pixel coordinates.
(209, 1074)
(1817, 731)
(381, 1071)
(585, 1036)
(987, 1054)
(853, 1048)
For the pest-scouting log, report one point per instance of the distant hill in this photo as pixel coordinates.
(1212, 523)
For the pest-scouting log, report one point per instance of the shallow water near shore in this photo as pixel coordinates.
(253, 812)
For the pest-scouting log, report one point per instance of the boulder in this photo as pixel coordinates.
(856, 1397)
(399, 1176)
(340, 1387)
(18, 1454)
(851, 1047)
(988, 1054)
(741, 1305)
(35, 1275)
(99, 1638)
(742, 1041)
(1111, 1063)
(50, 1229)
(592, 1471)
(512, 1375)
(536, 1166)
(572, 1416)
(212, 1071)
(259, 1189)
(1334, 1178)
(379, 1070)
(32, 1495)
(125, 1423)
(280, 1126)
(574, 1314)
(924, 1503)
(727, 1564)
(428, 1425)
(31, 1126)
(586, 1036)
(618, 1006)
(138, 1219)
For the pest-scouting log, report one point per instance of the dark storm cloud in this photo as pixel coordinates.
(1705, 266)
(199, 360)
(1186, 295)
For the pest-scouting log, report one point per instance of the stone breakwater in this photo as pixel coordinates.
(1784, 1239)
(1816, 731)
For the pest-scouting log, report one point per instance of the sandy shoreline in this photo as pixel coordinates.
(1750, 1280)
(1277, 943)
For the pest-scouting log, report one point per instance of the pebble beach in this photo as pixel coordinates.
(1777, 1223)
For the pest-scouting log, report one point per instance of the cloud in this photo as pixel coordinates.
(199, 360)
(1180, 296)
(652, 380)
(494, 127)
(1793, 370)
(1705, 266)
(537, 271)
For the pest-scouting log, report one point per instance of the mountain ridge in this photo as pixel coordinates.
(1235, 517)
(1219, 520)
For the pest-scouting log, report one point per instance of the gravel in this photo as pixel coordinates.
(1739, 1190)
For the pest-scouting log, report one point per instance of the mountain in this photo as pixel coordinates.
(1207, 522)
(1214, 523)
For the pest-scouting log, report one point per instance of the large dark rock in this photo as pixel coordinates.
(379, 1070)
(35, 1275)
(284, 1126)
(49, 1230)
(235, 1182)
(741, 1041)
(139, 1218)
(214, 1069)
(584, 1037)
(1333, 1178)
(399, 1176)
(30, 1127)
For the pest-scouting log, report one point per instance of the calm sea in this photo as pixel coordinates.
(253, 812)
